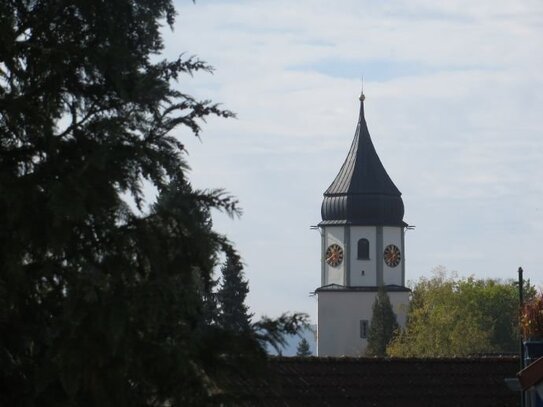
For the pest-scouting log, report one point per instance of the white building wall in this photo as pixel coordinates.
(363, 272)
(339, 316)
(393, 275)
(334, 275)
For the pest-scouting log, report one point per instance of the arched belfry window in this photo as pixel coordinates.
(363, 249)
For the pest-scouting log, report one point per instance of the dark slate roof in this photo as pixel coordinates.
(385, 382)
(362, 193)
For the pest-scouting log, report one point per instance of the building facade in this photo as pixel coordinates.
(363, 249)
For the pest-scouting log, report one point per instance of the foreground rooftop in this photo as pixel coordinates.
(475, 381)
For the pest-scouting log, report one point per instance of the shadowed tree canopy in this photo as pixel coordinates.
(102, 303)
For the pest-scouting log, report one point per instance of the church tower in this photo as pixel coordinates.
(362, 232)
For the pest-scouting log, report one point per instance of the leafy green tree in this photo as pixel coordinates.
(101, 303)
(383, 325)
(234, 314)
(457, 317)
(303, 348)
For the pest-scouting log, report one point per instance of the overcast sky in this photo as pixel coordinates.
(454, 105)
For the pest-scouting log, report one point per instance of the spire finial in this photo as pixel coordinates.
(362, 97)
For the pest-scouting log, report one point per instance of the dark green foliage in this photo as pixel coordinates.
(100, 304)
(274, 332)
(383, 325)
(303, 348)
(498, 304)
(234, 314)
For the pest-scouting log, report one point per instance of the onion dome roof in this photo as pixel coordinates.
(362, 192)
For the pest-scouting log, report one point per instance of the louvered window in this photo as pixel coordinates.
(363, 249)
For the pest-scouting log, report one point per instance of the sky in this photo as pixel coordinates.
(454, 106)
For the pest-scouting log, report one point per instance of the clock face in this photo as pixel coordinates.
(392, 255)
(334, 255)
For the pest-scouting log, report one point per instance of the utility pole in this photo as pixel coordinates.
(521, 303)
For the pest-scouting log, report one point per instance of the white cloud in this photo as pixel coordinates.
(454, 101)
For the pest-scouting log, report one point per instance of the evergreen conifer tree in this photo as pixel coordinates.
(102, 304)
(233, 312)
(383, 325)
(303, 348)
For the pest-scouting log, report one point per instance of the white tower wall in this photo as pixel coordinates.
(363, 272)
(333, 275)
(340, 315)
(355, 272)
(394, 275)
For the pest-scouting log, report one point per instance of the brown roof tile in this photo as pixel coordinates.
(385, 382)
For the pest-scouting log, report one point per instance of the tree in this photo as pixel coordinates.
(104, 303)
(383, 325)
(275, 331)
(234, 314)
(303, 348)
(458, 317)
